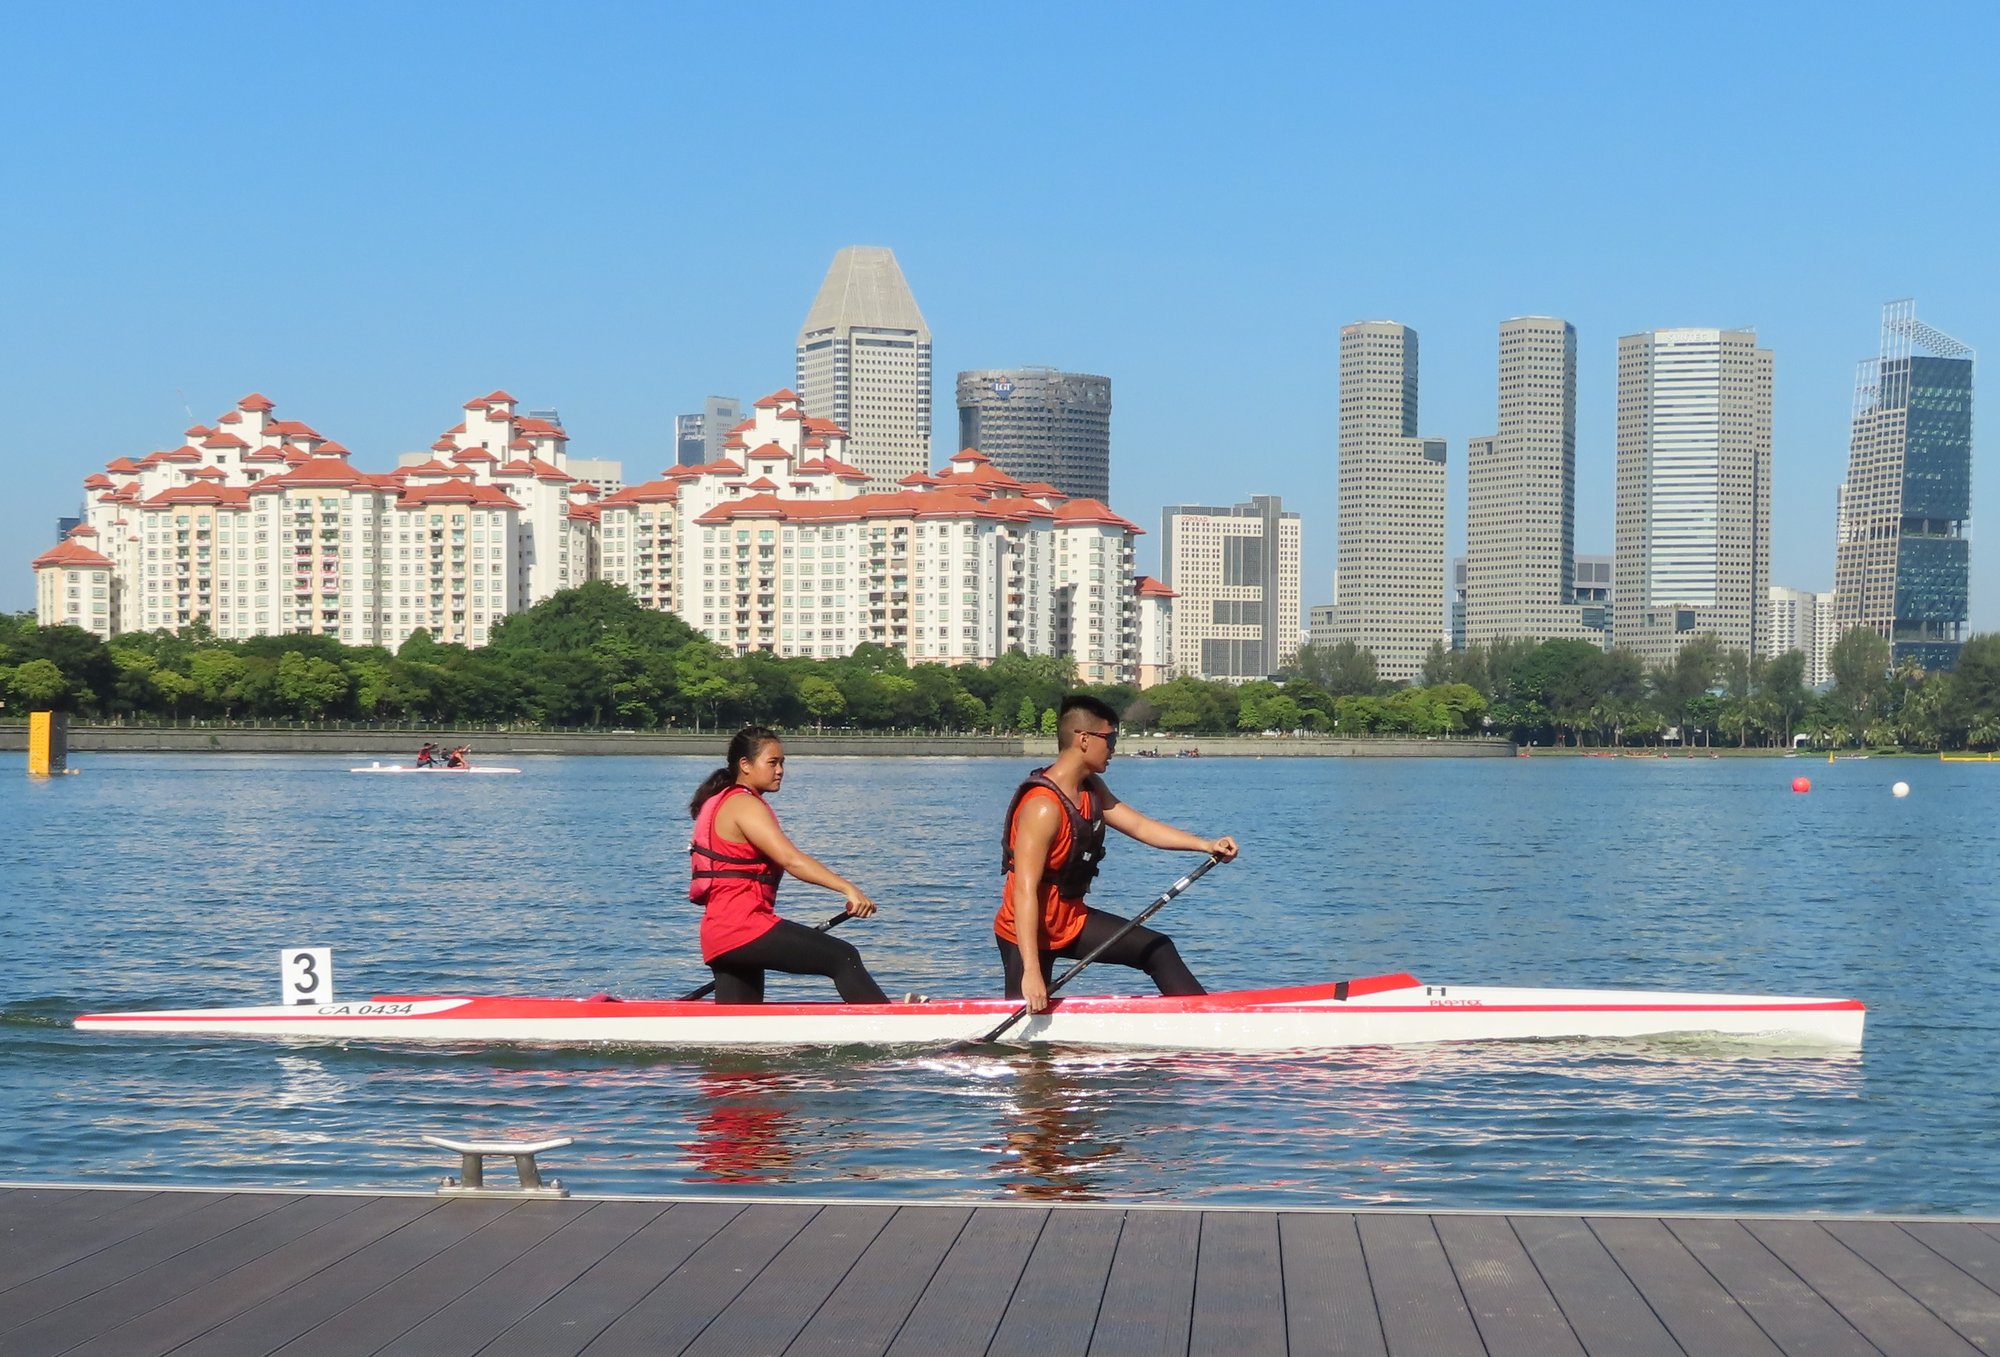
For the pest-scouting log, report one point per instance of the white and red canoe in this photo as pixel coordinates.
(436, 768)
(1380, 1010)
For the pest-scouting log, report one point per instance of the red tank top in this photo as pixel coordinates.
(737, 909)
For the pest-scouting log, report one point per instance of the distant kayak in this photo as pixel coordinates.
(412, 768)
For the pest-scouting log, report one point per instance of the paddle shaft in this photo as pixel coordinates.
(1148, 912)
(708, 989)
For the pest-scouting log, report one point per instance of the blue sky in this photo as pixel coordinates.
(373, 213)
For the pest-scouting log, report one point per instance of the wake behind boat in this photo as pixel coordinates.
(428, 768)
(1382, 1010)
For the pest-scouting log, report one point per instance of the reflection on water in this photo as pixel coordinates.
(565, 880)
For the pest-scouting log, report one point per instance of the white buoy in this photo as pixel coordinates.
(1901, 789)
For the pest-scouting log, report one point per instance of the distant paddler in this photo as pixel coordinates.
(460, 757)
(1051, 843)
(739, 857)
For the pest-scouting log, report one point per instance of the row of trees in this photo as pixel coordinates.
(593, 656)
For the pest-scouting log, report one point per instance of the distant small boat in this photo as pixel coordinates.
(411, 768)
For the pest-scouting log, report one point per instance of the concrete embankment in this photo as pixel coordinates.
(490, 744)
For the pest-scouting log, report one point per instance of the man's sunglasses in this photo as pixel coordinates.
(1110, 738)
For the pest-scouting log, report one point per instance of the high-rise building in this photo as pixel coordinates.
(1391, 547)
(864, 362)
(689, 448)
(1040, 425)
(698, 438)
(1902, 561)
(1322, 624)
(1802, 620)
(1520, 502)
(1694, 490)
(1236, 572)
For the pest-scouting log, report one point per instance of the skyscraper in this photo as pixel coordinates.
(1694, 490)
(1038, 424)
(1901, 557)
(1236, 573)
(1520, 502)
(864, 362)
(1391, 548)
(698, 437)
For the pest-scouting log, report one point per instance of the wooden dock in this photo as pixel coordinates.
(138, 1272)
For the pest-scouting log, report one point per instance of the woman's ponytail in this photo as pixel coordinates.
(747, 743)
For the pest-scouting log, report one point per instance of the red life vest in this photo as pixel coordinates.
(737, 884)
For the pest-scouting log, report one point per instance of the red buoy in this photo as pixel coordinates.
(1801, 784)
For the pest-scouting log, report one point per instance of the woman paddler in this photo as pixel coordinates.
(739, 856)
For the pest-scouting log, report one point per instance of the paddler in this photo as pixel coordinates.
(1051, 843)
(739, 857)
(427, 756)
(460, 757)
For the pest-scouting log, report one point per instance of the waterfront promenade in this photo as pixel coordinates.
(239, 1274)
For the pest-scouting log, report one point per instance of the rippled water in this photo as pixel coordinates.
(155, 881)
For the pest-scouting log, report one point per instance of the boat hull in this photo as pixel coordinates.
(1376, 1011)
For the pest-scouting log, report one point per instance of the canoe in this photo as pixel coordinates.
(1374, 1011)
(411, 768)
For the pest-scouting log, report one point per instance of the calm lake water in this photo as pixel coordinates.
(157, 881)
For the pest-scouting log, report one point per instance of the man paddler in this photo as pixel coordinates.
(1051, 843)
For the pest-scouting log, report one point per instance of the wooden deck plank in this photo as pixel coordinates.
(491, 1308)
(197, 1310)
(1416, 1293)
(1148, 1301)
(277, 1320)
(1512, 1308)
(783, 1298)
(1966, 1246)
(1054, 1308)
(1883, 1313)
(571, 1320)
(1607, 1313)
(79, 1228)
(969, 1292)
(866, 1310)
(102, 1289)
(683, 1304)
(1697, 1309)
(1329, 1301)
(1971, 1308)
(1789, 1312)
(365, 1327)
(1239, 1286)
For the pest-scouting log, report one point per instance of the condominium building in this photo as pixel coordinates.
(1521, 493)
(1694, 490)
(1902, 561)
(1802, 620)
(1235, 570)
(1155, 605)
(1041, 425)
(864, 362)
(1391, 546)
(77, 586)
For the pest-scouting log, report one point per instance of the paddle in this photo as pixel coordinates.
(1148, 912)
(708, 989)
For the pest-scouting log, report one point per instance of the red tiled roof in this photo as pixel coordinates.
(469, 454)
(330, 449)
(1145, 586)
(589, 513)
(970, 455)
(445, 444)
(1093, 511)
(763, 483)
(71, 555)
(500, 398)
(783, 396)
(194, 431)
(199, 494)
(652, 492)
(790, 414)
(770, 450)
(457, 492)
(319, 471)
(125, 464)
(541, 428)
(233, 417)
(83, 530)
(722, 466)
(895, 504)
(253, 401)
(744, 427)
(209, 473)
(220, 439)
(431, 468)
(97, 481)
(291, 428)
(825, 426)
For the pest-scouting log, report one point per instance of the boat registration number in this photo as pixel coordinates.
(366, 1010)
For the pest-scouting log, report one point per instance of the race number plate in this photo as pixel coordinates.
(306, 975)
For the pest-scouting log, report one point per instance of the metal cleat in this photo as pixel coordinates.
(471, 1180)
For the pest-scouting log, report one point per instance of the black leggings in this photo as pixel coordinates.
(1141, 949)
(795, 950)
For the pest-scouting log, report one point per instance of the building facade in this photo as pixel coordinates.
(864, 362)
(1902, 559)
(1041, 425)
(1520, 533)
(1804, 621)
(1694, 490)
(698, 437)
(1155, 603)
(1392, 486)
(1235, 573)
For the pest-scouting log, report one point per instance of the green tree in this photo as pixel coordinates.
(822, 698)
(41, 686)
(1860, 665)
(1342, 669)
(1024, 715)
(309, 684)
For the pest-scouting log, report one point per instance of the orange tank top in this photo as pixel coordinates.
(1062, 919)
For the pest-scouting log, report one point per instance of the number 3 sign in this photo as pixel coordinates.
(306, 975)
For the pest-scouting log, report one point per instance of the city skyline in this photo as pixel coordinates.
(119, 331)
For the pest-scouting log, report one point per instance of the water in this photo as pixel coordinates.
(163, 881)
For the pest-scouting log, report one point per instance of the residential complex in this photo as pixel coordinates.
(1521, 494)
(1802, 620)
(864, 363)
(1902, 563)
(1236, 573)
(262, 527)
(1041, 425)
(1391, 503)
(1694, 490)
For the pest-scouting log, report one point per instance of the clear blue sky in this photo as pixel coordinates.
(373, 213)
